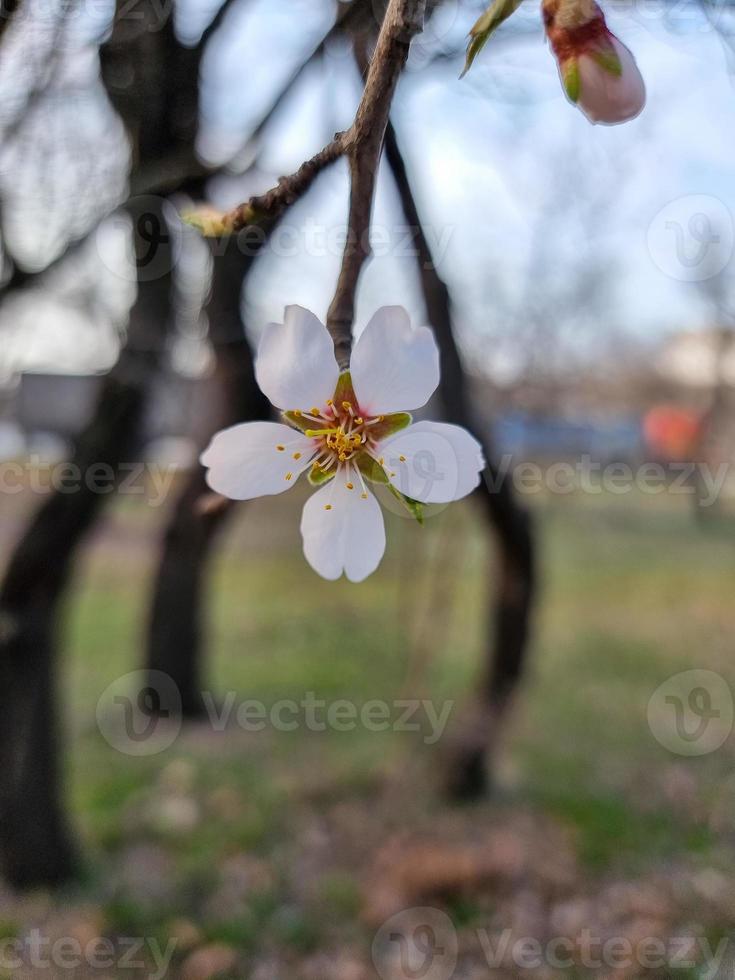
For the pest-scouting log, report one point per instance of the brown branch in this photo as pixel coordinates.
(363, 145)
(287, 191)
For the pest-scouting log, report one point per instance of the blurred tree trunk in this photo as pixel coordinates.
(507, 520)
(176, 623)
(35, 844)
(160, 112)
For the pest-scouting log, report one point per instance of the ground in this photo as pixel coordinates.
(279, 854)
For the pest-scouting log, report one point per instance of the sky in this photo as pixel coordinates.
(521, 196)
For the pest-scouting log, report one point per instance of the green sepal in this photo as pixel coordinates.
(571, 80)
(297, 421)
(344, 392)
(317, 477)
(496, 13)
(414, 507)
(389, 425)
(371, 469)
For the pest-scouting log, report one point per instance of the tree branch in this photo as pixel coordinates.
(362, 143)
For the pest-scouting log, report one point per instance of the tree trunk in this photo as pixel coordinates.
(35, 844)
(467, 774)
(175, 633)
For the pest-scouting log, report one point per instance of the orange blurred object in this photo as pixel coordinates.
(671, 432)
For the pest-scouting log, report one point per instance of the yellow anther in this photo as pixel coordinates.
(330, 402)
(327, 507)
(280, 448)
(359, 420)
(314, 411)
(297, 455)
(289, 476)
(381, 461)
(297, 413)
(350, 486)
(402, 459)
(364, 496)
(347, 406)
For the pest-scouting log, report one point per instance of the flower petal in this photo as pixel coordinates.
(433, 462)
(245, 461)
(394, 367)
(611, 97)
(343, 532)
(295, 366)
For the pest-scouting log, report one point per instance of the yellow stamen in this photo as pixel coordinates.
(314, 411)
(315, 433)
(280, 448)
(289, 476)
(359, 421)
(297, 455)
(402, 459)
(327, 507)
(350, 486)
(364, 496)
(347, 406)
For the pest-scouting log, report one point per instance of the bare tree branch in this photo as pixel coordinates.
(362, 143)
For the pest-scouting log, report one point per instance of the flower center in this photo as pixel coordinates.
(343, 435)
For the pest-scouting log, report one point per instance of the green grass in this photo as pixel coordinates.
(630, 594)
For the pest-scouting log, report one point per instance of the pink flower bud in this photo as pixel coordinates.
(598, 73)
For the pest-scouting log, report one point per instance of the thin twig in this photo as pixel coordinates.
(362, 144)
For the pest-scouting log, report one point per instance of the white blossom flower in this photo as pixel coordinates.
(347, 430)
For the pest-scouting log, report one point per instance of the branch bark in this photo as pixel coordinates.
(362, 144)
